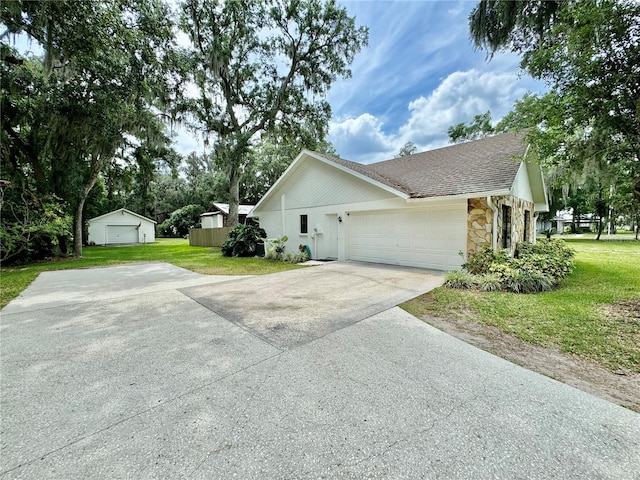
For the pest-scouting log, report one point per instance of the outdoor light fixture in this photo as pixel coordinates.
(339, 219)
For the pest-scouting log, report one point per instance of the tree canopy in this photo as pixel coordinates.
(94, 93)
(588, 52)
(263, 67)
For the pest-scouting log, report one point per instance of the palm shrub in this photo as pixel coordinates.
(242, 241)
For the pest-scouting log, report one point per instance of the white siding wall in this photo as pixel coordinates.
(521, 186)
(315, 183)
(326, 218)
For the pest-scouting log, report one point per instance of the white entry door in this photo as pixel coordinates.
(429, 238)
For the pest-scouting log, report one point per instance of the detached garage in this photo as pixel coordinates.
(121, 227)
(428, 210)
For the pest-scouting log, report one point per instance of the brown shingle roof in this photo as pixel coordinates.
(484, 165)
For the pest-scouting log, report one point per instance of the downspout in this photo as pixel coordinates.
(494, 209)
(282, 214)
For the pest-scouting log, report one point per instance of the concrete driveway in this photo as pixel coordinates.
(151, 371)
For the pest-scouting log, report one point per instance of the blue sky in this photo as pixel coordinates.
(419, 75)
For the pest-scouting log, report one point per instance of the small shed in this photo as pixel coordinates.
(212, 220)
(121, 227)
(218, 214)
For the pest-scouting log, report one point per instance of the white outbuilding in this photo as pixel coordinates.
(121, 227)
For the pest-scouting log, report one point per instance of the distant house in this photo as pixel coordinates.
(428, 210)
(121, 227)
(218, 214)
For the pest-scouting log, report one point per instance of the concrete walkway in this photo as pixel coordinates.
(151, 371)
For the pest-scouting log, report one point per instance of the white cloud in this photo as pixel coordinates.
(457, 98)
(361, 139)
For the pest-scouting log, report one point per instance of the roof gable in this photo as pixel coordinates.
(224, 208)
(124, 210)
(313, 179)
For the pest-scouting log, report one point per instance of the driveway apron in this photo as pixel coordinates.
(151, 371)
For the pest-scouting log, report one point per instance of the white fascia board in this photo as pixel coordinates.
(462, 196)
(540, 207)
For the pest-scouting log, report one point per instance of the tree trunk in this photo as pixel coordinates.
(96, 166)
(234, 196)
(599, 227)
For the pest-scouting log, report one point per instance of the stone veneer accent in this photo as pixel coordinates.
(479, 225)
(480, 222)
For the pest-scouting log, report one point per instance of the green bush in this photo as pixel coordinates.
(490, 282)
(296, 257)
(534, 268)
(32, 228)
(479, 263)
(460, 279)
(243, 241)
(551, 257)
(180, 221)
(523, 281)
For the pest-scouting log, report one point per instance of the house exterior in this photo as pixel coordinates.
(121, 227)
(428, 210)
(217, 215)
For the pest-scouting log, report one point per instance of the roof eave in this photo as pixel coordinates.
(460, 196)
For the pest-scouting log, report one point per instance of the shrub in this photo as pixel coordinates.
(490, 282)
(480, 262)
(276, 248)
(534, 268)
(242, 241)
(180, 221)
(460, 279)
(551, 257)
(32, 228)
(296, 257)
(522, 281)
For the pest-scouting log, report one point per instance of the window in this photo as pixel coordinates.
(527, 225)
(303, 224)
(506, 226)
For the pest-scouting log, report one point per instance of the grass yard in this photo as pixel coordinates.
(172, 250)
(595, 314)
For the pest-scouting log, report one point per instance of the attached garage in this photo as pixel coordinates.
(121, 227)
(421, 238)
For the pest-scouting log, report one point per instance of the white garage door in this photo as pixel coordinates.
(420, 238)
(122, 234)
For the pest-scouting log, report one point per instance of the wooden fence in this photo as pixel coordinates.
(207, 237)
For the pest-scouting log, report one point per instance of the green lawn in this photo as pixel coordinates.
(176, 251)
(571, 317)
